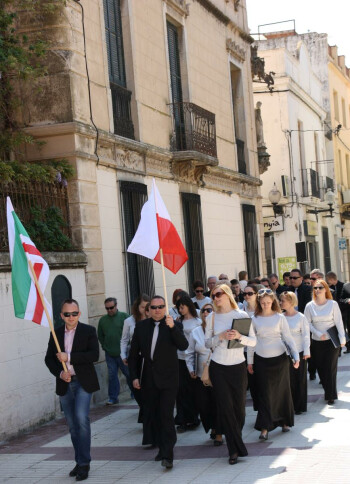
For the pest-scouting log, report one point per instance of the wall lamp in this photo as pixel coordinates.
(329, 198)
(275, 197)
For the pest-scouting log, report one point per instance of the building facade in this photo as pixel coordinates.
(138, 90)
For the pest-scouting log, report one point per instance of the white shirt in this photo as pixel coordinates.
(323, 317)
(174, 313)
(202, 302)
(299, 328)
(270, 330)
(197, 353)
(127, 334)
(223, 322)
(188, 325)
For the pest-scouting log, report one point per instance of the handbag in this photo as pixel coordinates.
(205, 375)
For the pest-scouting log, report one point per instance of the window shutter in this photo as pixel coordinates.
(251, 240)
(114, 40)
(174, 63)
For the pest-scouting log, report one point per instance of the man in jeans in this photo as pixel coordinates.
(110, 328)
(76, 385)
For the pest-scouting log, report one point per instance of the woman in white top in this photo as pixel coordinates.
(173, 312)
(199, 299)
(299, 327)
(137, 314)
(271, 365)
(322, 314)
(196, 356)
(227, 368)
(186, 412)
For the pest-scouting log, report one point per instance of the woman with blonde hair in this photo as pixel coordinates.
(227, 368)
(323, 313)
(299, 327)
(269, 362)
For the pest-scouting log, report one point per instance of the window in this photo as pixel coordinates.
(61, 289)
(343, 111)
(239, 118)
(305, 190)
(340, 167)
(121, 97)
(139, 269)
(336, 105)
(317, 153)
(251, 240)
(192, 213)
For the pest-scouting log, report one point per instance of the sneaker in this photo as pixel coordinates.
(112, 402)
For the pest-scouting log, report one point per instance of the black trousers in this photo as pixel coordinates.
(298, 384)
(326, 360)
(275, 404)
(206, 405)
(230, 386)
(158, 418)
(311, 365)
(186, 412)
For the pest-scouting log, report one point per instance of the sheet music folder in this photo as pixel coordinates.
(242, 326)
(333, 334)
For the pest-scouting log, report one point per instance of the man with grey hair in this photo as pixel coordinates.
(212, 280)
(316, 274)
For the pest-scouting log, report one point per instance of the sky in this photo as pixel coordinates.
(322, 16)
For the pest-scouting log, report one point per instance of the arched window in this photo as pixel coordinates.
(61, 289)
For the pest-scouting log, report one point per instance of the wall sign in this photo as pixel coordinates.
(273, 224)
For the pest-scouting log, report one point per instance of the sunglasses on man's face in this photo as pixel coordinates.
(314, 278)
(248, 294)
(199, 290)
(294, 278)
(161, 306)
(73, 313)
(109, 308)
(217, 294)
(207, 310)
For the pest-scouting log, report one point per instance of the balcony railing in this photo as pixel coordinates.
(121, 99)
(30, 201)
(242, 166)
(193, 129)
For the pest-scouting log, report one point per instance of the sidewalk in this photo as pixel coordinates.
(316, 450)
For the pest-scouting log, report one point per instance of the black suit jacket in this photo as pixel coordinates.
(337, 290)
(163, 371)
(344, 301)
(304, 296)
(85, 352)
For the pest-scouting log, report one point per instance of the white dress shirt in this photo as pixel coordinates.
(197, 353)
(188, 326)
(127, 334)
(323, 317)
(223, 322)
(270, 331)
(299, 327)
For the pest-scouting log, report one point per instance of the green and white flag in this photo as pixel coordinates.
(26, 299)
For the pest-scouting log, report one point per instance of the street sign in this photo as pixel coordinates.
(342, 243)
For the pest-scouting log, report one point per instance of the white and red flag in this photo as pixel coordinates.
(155, 232)
(26, 300)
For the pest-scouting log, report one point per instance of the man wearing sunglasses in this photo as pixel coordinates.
(79, 350)
(157, 339)
(302, 291)
(109, 331)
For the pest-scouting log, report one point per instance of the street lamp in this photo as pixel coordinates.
(329, 198)
(275, 197)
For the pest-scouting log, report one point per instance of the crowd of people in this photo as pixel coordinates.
(194, 360)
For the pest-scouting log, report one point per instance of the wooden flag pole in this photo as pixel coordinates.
(164, 282)
(46, 311)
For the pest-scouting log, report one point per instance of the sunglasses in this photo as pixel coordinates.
(273, 283)
(161, 306)
(199, 290)
(294, 277)
(217, 294)
(268, 291)
(318, 288)
(314, 278)
(207, 310)
(109, 308)
(73, 313)
(248, 294)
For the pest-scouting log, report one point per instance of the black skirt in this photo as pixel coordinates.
(275, 404)
(298, 384)
(206, 406)
(230, 385)
(186, 411)
(326, 361)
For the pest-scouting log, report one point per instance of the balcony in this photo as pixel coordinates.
(121, 99)
(193, 129)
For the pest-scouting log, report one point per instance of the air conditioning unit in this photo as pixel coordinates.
(286, 186)
(346, 196)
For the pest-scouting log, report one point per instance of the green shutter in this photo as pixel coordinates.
(114, 40)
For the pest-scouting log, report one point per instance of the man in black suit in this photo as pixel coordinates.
(301, 290)
(337, 286)
(76, 385)
(344, 304)
(157, 339)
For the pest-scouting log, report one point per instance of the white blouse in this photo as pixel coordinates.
(174, 313)
(202, 302)
(127, 334)
(188, 326)
(197, 353)
(270, 331)
(299, 327)
(323, 317)
(223, 322)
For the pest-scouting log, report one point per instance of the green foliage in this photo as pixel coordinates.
(50, 172)
(46, 229)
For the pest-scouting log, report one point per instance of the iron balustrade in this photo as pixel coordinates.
(121, 102)
(193, 129)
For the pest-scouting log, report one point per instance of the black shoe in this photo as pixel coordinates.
(212, 435)
(158, 457)
(331, 402)
(298, 413)
(83, 473)
(217, 443)
(312, 377)
(192, 426)
(347, 351)
(181, 429)
(74, 471)
(167, 463)
(233, 459)
(264, 436)
(285, 429)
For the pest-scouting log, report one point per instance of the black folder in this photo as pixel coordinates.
(288, 351)
(333, 334)
(243, 327)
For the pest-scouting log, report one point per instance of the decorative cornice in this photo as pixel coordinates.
(55, 260)
(235, 49)
(180, 6)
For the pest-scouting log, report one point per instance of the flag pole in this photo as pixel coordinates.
(46, 311)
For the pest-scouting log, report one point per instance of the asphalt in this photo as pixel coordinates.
(317, 449)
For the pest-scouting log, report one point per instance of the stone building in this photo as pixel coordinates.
(138, 90)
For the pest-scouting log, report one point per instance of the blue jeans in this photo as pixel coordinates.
(113, 365)
(76, 406)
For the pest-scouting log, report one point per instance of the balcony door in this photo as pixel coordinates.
(251, 240)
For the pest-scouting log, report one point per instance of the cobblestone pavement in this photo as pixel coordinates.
(316, 450)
